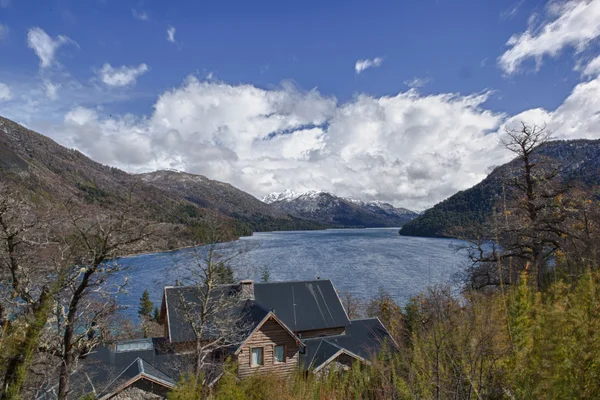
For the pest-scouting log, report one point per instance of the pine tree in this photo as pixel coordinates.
(146, 306)
(266, 275)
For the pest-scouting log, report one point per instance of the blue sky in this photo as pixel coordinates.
(269, 95)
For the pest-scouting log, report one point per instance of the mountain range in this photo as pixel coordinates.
(337, 211)
(578, 163)
(48, 174)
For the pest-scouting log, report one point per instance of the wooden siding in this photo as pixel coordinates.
(321, 332)
(267, 337)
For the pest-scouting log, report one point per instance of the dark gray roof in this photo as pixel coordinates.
(363, 337)
(183, 301)
(317, 352)
(151, 370)
(107, 368)
(303, 305)
(138, 368)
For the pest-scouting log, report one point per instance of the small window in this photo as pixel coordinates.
(257, 357)
(134, 345)
(280, 353)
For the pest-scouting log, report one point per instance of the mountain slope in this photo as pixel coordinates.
(49, 174)
(337, 211)
(227, 199)
(579, 162)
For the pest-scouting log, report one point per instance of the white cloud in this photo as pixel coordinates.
(51, 89)
(512, 11)
(574, 23)
(44, 46)
(3, 31)
(593, 67)
(141, 15)
(417, 82)
(361, 65)
(5, 92)
(171, 34)
(121, 76)
(408, 149)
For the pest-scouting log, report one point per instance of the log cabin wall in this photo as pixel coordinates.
(267, 337)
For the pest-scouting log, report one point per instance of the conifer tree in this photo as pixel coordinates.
(266, 275)
(146, 306)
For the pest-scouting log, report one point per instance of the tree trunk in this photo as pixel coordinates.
(65, 365)
(16, 370)
(539, 264)
(67, 356)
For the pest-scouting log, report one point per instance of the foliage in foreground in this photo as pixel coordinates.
(523, 345)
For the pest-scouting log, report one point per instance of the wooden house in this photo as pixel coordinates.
(285, 326)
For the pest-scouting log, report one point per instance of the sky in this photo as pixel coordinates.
(400, 101)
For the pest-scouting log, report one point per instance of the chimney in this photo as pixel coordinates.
(247, 289)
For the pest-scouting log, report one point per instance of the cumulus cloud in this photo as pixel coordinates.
(171, 34)
(417, 82)
(3, 31)
(5, 92)
(362, 65)
(44, 46)
(571, 23)
(121, 76)
(408, 149)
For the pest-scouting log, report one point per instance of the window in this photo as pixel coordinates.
(257, 357)
(280, 353)
(134, 345)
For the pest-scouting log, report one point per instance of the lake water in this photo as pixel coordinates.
(359, 261)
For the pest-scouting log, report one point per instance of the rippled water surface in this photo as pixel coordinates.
(359, 261)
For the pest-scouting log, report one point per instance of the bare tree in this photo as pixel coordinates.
(353, 305)
(87, 298)
(528, 225)
(384, 307)
(211, 304)
(29, 280)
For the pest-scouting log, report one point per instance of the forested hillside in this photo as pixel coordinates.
(50, 175)
(578, 164)
(252, 214)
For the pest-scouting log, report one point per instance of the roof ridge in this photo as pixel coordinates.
(156, 368)
(294, 281)
(365, 319)
(325, 339)
(264, 308)
(315, 354)
(122, 372)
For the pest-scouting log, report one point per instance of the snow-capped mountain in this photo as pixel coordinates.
(288, 195)
(337, 211)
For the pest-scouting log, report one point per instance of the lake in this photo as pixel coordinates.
(359, 261)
